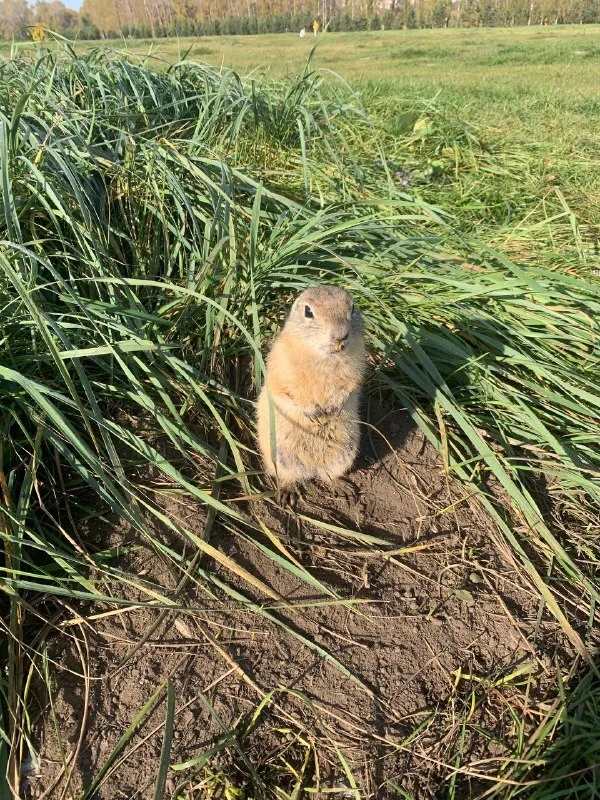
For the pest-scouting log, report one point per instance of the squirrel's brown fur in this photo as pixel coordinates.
(308, 425)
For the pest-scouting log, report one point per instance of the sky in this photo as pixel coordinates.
(76, 4)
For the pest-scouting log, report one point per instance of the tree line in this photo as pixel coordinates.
(99, 19)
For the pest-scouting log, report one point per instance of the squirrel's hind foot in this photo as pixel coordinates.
(288, 496)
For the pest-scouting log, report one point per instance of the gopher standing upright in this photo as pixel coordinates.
(308, 425)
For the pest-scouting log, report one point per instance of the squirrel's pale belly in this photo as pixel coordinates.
(308, 426)
(302, 448)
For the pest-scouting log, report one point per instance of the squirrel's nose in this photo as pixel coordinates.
(339, 339)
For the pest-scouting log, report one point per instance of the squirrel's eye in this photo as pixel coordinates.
(308, 312)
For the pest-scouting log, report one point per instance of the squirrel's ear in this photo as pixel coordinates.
(295, 306)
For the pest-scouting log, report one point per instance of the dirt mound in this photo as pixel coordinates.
(414, 663)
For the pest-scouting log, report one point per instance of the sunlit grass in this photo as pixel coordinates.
(152, 225)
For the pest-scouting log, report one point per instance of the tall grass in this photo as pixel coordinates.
(152, 226)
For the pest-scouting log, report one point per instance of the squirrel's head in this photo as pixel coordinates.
(325, 318)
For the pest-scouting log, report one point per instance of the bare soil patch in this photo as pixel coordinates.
(438, 641)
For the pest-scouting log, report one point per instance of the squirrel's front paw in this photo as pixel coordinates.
(314, 413)
(322, 414)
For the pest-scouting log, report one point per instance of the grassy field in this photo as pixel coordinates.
(156, 218)
(501, 62)
(529, 94)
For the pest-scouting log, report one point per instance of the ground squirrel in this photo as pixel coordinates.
(308, 424)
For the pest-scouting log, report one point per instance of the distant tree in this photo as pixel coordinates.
(156, 18)
(102, 15)
(439, 13)
(519, 11)
(471, 13)
(583, 11)
(409, 16)
(489, 13)
(54, 15)
(14, 18)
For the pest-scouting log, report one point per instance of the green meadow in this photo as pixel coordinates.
(161, 204)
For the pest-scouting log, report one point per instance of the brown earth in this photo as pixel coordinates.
(440, 645)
